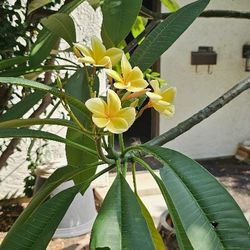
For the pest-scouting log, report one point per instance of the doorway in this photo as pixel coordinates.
(147, 126)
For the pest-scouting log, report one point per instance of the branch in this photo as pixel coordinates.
(202, 114)
(209, 13)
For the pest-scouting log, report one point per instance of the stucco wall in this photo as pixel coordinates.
(220, 134)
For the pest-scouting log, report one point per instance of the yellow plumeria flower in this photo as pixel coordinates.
(97, 55)
(162, 100)
(111, 115)
(131, 79)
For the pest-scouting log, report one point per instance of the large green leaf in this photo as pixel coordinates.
(78, 86)
(48, 89)
(4, 64)
(46, 40)
(20, 123)
(38, 229)
(156, 237)
(120, 223)
(30, 133)
(61, 25)
(118, 18)
(172, 5)
(59, 176)
(209, 215)
(183, 240)
(36, 4)
(22, 107)
(165, 34)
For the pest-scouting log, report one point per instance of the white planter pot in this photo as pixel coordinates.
(80, 215)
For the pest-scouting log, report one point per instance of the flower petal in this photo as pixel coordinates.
(82, 50)
(87, 59)
(120, 85)
(114, 75)
(138, 85)
(98, 48)
(105, 61)
(169, 94)
(117, 125)
(155, 86)
(100, 122)
(135, 74)
(128, 114)
(126, 67)
(153, 96)
(113, 102)
(97, 106)
(115, 55)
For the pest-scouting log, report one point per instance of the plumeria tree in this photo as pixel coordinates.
(204, 214)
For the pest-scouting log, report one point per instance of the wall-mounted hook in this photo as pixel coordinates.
(204, 56)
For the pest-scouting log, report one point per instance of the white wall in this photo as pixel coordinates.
(220, 134)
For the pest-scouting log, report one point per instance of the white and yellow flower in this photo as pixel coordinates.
(97, 55)
(162, 99)
(110, 115)
(130, 79)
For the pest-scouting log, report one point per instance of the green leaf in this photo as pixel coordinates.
(46, 40)
(25, 70)
(209, 215)
(22, 107)
(139, 26)
(61, 25)
(41, 48)
(172, 5)
(156, 237)
(36, 4)
(120, 223)
(48, 89)
(4, 64)
(78, 86)
(20, 123)
(39, 228)
(165, 34)
(58, 177)
(119, 16)
(30, 133)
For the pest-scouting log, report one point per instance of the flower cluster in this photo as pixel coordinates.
(127, 92)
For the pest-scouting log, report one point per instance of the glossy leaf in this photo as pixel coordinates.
(46, 40)
(172, 5)
(48, 89)
(27, 70)
(20, 123)
(78, 86)
(38, 229)
(119, 16)
(156, 237)
(209, 215)
(165, 34)
(30, 133)
(36, 4)
(22, 107)
(41, 48)
(120, 223)
(139, 26)
(4, 64)
(61, 25)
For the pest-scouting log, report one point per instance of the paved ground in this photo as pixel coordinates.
(234, 175)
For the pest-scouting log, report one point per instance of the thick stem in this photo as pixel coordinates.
(202, 114)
